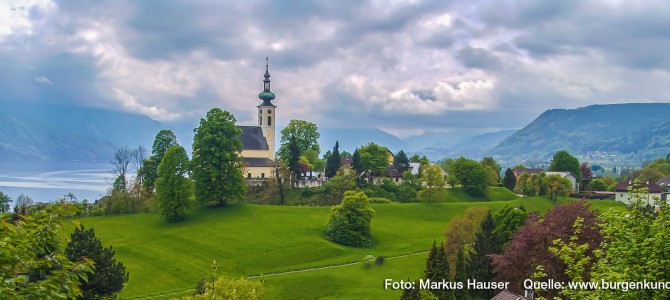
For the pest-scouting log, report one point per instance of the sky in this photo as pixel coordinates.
(402, 66)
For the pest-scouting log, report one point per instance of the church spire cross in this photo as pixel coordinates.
(267, 95)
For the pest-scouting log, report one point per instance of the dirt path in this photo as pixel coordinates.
(183, 292)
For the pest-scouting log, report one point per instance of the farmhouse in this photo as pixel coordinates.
(519, 171)
(569, 176)
(258, 142)
(622, 194)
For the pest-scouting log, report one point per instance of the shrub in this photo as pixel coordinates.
(349, 222)
(379, 200)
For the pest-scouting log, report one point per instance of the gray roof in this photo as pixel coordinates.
(259, 162)
(507, 295)
(252, 138)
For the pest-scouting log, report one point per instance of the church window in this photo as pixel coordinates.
(260, 120)
(269, 120)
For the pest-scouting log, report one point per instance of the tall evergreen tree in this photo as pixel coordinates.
(109, 275)
(333, 163)
(293, 159)
(480, 263)
(356, 162)
(461, 275)
(509, 181)
(217, 164)
(437, 270)
(401, 162)
(411, 294)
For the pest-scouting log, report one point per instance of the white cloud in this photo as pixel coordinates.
(43, 79)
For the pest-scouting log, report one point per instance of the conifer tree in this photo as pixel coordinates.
(411, 294)
(480, 263)
(461, 275)
(108, 277)
(437, 270)
(333, 162)
(509, 181)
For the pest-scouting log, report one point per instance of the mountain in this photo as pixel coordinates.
(639, 129)
(51, 132)
(352, 138)
(474, 147)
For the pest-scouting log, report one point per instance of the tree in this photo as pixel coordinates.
(334, 189)
(564, 162)
(494, 166)
(374, 158)
(507, 221)
(306, 135)
(173, 189)
(121, 164)
(587, 175)
(411, 294)
(462, 274)
(349, 222)
(460, 232)
(293, 160)
(163, 141)
(282, 179)
(434, 179)
(108, 276)
(509, 181)
(529, 247)
(22, 203)
(471, 175)
(437, 270)
(333, 161)
(557, 185)
(4, 203)
(35, 243)
(356, 162)
(480, 263)
(634, 249)
(401, 162)
(217, 163)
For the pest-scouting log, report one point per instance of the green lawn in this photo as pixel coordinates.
(253, 239)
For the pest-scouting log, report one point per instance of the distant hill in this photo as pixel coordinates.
(49, 132)
(474, 147)
(640, 129)
(352, 138)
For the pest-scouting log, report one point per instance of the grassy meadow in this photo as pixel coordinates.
(167, 260)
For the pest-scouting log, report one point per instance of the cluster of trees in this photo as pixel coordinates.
(38, 264)
(540, 185)
(470, 241)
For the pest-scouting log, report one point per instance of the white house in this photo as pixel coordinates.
(622, 194)
(569, 176)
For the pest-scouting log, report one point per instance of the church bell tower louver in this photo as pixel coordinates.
(266, 111)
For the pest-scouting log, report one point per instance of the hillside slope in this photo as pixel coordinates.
(639, 129)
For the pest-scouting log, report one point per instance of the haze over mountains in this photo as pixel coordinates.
(52, 133)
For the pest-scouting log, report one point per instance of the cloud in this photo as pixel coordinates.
(403, 65)
(42, 79)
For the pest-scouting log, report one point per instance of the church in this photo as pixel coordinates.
(258, 142)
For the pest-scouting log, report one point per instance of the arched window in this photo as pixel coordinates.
(269, 120)
(260, 120)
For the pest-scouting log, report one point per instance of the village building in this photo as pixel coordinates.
(569, 176)
(622, 194)
(258, 142)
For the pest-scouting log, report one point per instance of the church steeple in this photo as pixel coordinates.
(266, 95)
(266, 112)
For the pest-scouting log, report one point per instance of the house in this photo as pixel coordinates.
(569, 176)
(258, 142)
(519, 171)
(507, 295)
(622, 194)
(664, 183)
(414, 168)
(393, 174)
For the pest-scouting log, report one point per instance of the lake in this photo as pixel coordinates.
(47, 181)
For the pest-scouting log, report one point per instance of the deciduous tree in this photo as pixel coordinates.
(173, 189)
(4, 203)
(349, 222)
(557, 185)
(149, 170)
(306, 135)
(374, 158)
(217, 162)
(564, 162)
(471, 175)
